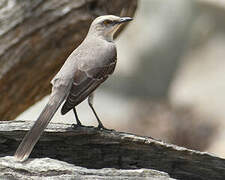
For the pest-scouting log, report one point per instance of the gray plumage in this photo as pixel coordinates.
(84, 70)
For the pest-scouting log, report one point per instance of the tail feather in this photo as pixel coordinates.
(31, 138)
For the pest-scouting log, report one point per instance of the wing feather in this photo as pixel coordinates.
(85, 82)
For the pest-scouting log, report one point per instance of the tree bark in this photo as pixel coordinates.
(36, 37)
(46, 168)
(95, 149)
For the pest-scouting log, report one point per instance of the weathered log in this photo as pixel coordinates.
(46, 168)
(95, 149)
(36, 37)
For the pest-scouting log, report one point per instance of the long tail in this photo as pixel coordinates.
(31, 138)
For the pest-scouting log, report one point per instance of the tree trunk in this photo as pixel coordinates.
(36, 37)
(95, 149)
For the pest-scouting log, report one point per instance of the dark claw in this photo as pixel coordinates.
(74, 126)
(101, 127)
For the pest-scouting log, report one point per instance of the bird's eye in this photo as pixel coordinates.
(107, 22)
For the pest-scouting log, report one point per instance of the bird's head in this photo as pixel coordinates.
(105, 26)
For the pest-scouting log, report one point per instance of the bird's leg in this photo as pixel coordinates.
(90, 102)
(77, 119)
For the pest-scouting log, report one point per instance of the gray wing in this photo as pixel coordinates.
(86, 81)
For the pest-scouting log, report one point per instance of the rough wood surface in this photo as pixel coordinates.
(46, 168)
(94, 149)
(35, 39)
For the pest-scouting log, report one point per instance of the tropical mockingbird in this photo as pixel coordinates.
(85, 69)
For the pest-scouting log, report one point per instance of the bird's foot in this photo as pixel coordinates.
(101, 127)
(74, 126)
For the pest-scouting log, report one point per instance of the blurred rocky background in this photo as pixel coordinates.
(169, 82)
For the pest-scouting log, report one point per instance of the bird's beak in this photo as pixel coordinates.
(125, 19)
(119, 22)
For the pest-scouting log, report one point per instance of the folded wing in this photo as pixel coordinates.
(85, 82)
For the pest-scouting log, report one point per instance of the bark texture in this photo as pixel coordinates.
(36, 37)
(45, 168)
(94, 149)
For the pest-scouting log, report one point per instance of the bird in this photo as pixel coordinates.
(86, 68)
